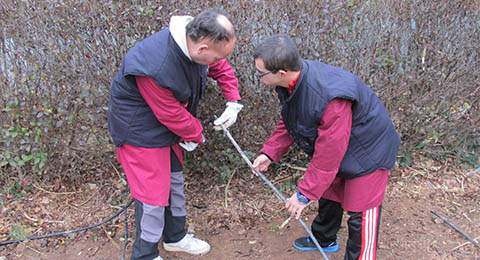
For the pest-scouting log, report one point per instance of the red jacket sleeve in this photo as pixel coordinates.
(278, 143)
(330, 147)
(169, 111)
(223, 73)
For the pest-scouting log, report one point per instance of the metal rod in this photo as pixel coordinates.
(245, 158)
(456, 228)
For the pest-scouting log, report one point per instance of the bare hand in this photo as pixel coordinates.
(294, 206)
(261, 163)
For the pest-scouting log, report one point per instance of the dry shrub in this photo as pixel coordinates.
(58, 59)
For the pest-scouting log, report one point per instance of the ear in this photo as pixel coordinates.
(201, 48)
(282, 72)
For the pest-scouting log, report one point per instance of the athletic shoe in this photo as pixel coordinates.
(305, 244)
(188, 244)
(158, 258)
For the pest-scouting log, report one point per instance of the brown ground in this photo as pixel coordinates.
(248, 226)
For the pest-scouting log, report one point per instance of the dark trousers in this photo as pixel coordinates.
(362, 229)
(153, 222)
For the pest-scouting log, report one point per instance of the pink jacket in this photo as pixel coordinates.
(330, 146)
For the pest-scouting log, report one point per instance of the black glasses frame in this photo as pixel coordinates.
(260, 74)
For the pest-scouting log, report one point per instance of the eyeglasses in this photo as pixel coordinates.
(261, 74)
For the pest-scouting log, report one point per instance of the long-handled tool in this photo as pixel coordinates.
(245, 158)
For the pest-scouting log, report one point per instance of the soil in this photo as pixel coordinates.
(245, 224)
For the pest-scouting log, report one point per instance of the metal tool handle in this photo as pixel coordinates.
(245, 158)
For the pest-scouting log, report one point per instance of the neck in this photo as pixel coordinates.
(288, 77)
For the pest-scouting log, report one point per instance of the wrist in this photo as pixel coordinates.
(267, 156)
(235, 105)
(302, 198)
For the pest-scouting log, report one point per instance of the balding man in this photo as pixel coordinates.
(153, 102)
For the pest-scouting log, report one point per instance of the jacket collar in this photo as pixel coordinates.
(179, 33)
(298, 84)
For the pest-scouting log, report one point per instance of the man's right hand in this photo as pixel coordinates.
(190, 146)
(261, 163)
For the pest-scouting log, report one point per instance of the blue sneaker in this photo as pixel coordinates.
(305, 244)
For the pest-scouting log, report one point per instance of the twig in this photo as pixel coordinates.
(296, 167)
(54, 221)
(56, 193)
(77, 208)
(288, 219)
(36, 251)
(423, 57)
(30, 218)
(466, 243)
(253, 206)
(284, 223)
(118, 173)
(465, 215)
(281, 180)
(115, 207)
(109, 237)
(94, 252)
(83, 203)
(49, 221)
(294, 177)
(228, 184)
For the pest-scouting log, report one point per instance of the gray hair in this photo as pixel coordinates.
(206, 25)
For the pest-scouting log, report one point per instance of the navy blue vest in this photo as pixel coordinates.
(130, 119)
(373, 141)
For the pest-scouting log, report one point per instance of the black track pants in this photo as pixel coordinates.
(362, 229)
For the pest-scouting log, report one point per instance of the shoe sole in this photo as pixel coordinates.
(331, 249)
(176, 249)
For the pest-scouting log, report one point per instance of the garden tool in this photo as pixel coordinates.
(284, 200)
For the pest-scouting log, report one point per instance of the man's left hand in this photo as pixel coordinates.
(229, 116)
(294, 206)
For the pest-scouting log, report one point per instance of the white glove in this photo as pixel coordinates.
(229, 116)
(190, 146)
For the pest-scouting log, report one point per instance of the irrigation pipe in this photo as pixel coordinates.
(2, 243)
(284, 200)
(474, 171)
(457, 229)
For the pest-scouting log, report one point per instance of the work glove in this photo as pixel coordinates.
(229, 116)
(190, 146)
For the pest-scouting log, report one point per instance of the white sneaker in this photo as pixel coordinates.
(157, 258)
(188, 244)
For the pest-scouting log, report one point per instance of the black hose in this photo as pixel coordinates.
(2, 243)
(456, 228)
(125, 237)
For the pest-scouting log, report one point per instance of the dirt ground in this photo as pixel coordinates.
(242, 221)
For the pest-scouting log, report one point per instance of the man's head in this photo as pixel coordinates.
(210, 37)
(276, 60)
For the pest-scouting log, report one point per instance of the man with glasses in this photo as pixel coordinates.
(153, 102)
(340, 122)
